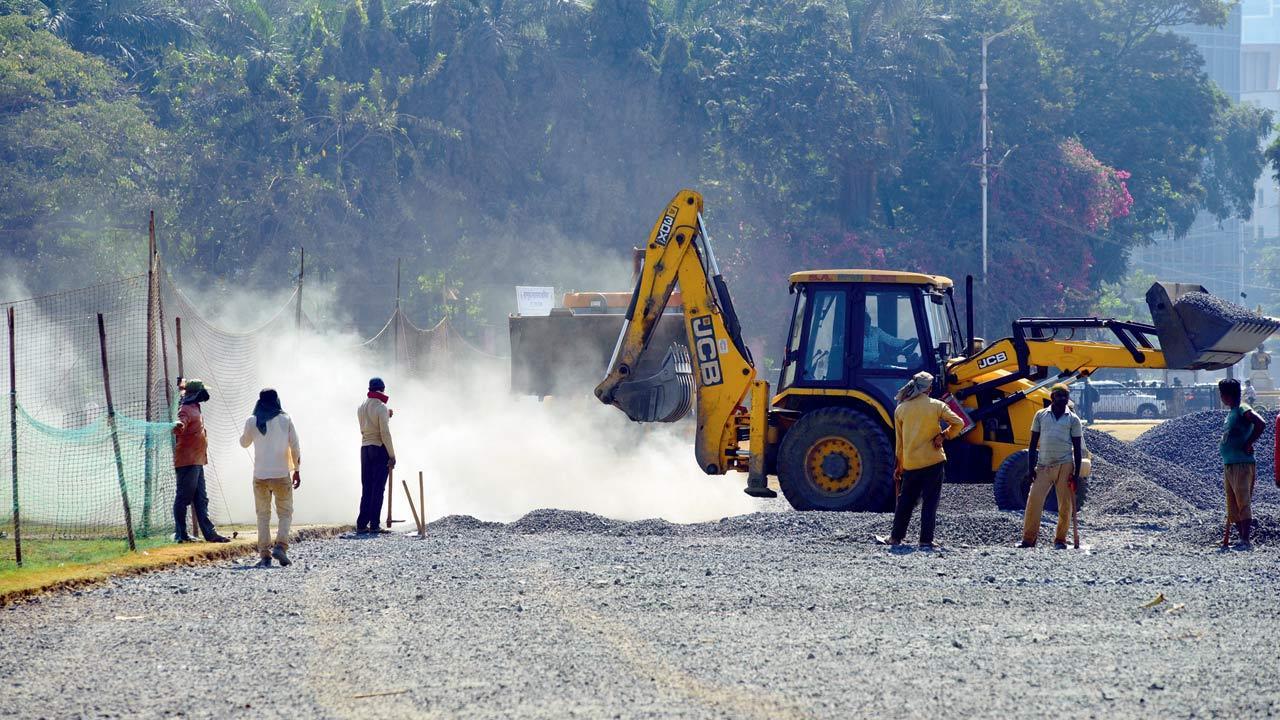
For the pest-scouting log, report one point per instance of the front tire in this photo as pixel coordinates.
(837, 459)
(1148, 412)
(1012, 486)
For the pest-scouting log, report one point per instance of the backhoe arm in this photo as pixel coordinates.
(678, 253)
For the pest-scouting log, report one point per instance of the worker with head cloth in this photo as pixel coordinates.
(921, 461)
(377, 455)
(1055, 455)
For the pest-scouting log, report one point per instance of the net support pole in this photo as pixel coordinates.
(397, 328)
(177, 340)
(302, 271)
(115, 435)
(164, 363)
(13, 442)
(148, 472)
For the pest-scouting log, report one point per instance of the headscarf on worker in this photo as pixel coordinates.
(376, 388)
(194, 391)
(919, 384)
(267, 408)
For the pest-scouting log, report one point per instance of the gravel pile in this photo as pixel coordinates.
(458, 523)
(565, 521)
(1192, 442)
(1120, 491)
(1187, 484)
(1198, 302)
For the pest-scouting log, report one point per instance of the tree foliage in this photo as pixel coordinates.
(497, 142)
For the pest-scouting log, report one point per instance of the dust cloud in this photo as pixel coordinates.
(482, 451)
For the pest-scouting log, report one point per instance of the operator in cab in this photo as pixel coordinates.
(875, 340)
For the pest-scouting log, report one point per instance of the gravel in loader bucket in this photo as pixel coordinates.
(1199, 331)
(666, 396)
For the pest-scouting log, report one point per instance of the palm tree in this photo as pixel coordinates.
(131, 33)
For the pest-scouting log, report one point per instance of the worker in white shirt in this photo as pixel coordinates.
(276, 455)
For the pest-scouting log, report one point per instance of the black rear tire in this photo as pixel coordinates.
(867, 482)
(1012, 485)
(1148, 412)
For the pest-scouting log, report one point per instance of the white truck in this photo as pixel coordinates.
(1116, 400)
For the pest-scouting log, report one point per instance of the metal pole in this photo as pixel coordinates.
(13, 441)
(422, 504)
(986, 165)
(148, 472)
(115, 435)
(986, 148)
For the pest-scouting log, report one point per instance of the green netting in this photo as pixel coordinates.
(67, 481)
(70, 485)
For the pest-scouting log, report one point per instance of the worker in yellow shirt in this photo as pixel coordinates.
(921, 462)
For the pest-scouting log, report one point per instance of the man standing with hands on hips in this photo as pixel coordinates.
(377, 455)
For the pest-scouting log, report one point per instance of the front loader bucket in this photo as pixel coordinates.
(666, 396)
(1199, 331)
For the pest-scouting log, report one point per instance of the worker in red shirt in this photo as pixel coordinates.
(190, 454)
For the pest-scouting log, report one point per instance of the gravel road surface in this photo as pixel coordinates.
(771, 615)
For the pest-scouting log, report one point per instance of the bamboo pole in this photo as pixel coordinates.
(115, 435)
(13, 441)
(148, 473)
(414, 511)
(422, 503)
(164, 362)
(177, 339)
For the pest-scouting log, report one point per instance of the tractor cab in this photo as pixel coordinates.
(858, 335)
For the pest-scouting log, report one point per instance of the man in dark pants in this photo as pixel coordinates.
(921, 462)
(190, 454)
(377, 455)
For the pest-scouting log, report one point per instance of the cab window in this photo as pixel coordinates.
(890, 338)
(823, 359)
(796, 335)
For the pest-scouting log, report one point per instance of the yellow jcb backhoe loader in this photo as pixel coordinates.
(856, 336)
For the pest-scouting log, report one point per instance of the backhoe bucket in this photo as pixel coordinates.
(564, 354)
(1199, 331)
(664, 397)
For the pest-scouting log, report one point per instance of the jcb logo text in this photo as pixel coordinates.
(996, 359)
(704, 347)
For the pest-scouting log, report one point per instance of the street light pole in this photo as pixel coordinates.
(986, 160)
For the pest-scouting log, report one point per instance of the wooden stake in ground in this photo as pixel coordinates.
(422, 503)
(416, 520)
(13, 441)
(115, 435)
